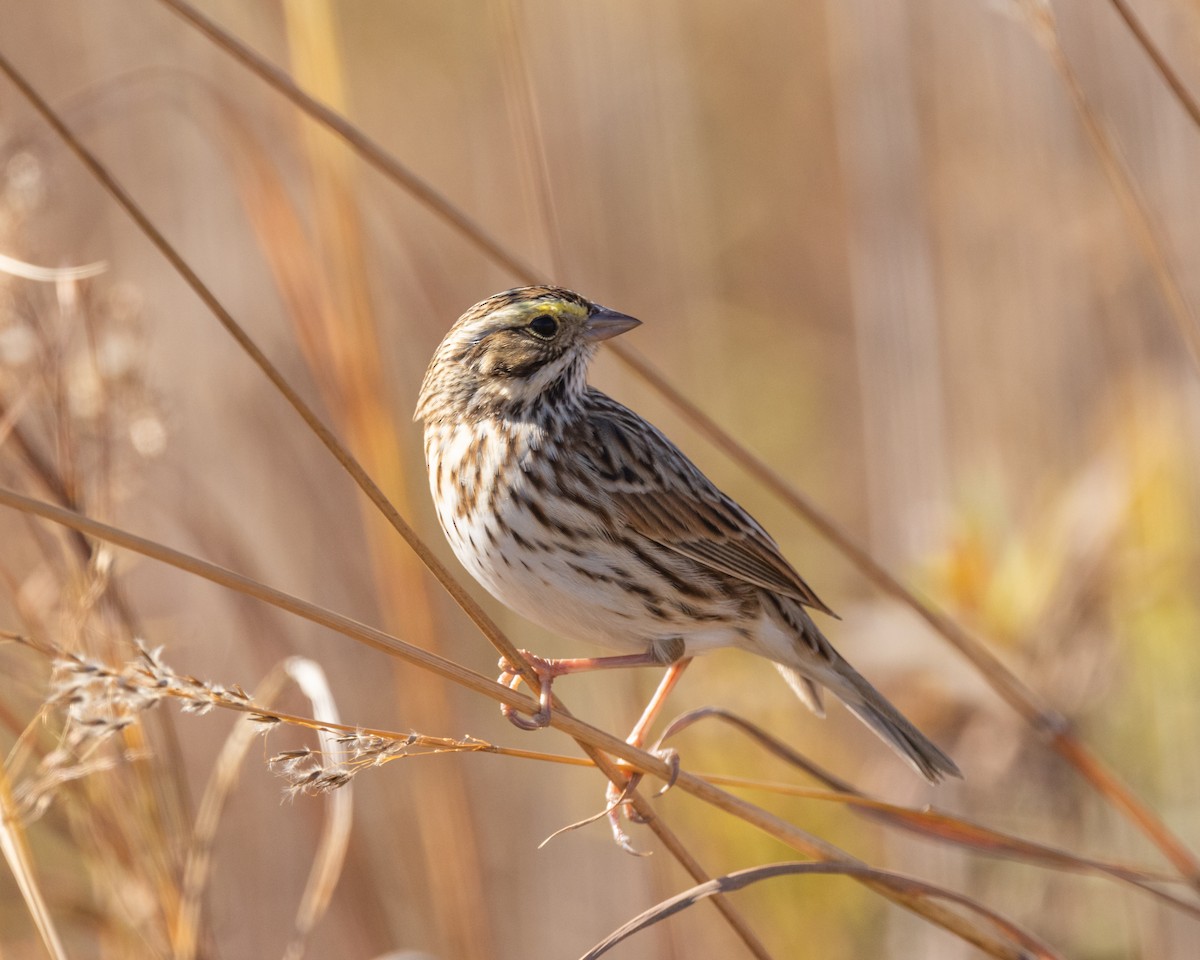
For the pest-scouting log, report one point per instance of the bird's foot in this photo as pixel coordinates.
(619, 804)
(669, 756)
(617, 795)
(511, 678)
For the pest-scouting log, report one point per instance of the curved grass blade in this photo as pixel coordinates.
(1024, 945)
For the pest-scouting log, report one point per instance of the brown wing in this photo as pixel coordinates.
(663, 496)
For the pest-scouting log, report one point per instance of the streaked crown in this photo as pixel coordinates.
(516, 351)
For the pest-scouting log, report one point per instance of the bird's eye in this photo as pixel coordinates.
(543, 326)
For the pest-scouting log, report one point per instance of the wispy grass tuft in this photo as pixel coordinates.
(133, 812)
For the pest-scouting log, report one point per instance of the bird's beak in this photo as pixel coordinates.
(604, 324)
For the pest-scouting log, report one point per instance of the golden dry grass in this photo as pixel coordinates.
(928, 264)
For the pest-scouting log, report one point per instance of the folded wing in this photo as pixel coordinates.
(664, 497)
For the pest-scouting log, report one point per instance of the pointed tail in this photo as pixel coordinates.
(812, 663)
(896, 730)
(873, 709)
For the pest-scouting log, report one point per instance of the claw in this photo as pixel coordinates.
(512, 679)
(621, 838)
(670, 756)
(547, 670)
(535, 721)
(617, 796)
(618, 803)
(619, 799)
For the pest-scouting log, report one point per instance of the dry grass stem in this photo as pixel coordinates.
(1051, 725)
(334, 841)
(278, 381)
(185, 933)
(596, 743)
(348, 462)
(30, 271)
(1033, 501)
(363, 145)
(15, 850)
(1047, 722)
(1165, 70)
(591, 739)
(1133, 204)
(1027, 946)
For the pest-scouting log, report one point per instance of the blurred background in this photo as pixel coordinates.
(881, 244)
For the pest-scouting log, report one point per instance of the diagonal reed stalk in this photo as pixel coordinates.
(482, 621)
(337, 328)
(598, 744)
(1168, 73)
(161, 683)
(14, 850)
(929, 822)
(778, 828)
(1046, 722)
(1145, 229)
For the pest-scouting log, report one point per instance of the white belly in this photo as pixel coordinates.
(571, 577)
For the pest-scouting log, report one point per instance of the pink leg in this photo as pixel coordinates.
(637, 736)
(549, 670)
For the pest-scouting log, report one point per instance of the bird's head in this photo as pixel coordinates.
(516, 352)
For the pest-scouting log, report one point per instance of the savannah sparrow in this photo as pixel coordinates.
(581, 516)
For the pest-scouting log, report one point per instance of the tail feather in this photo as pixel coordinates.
(812, 663)
(900, 734)
(873, 709)
(808, 690)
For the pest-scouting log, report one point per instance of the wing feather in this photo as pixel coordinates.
(664, 497)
